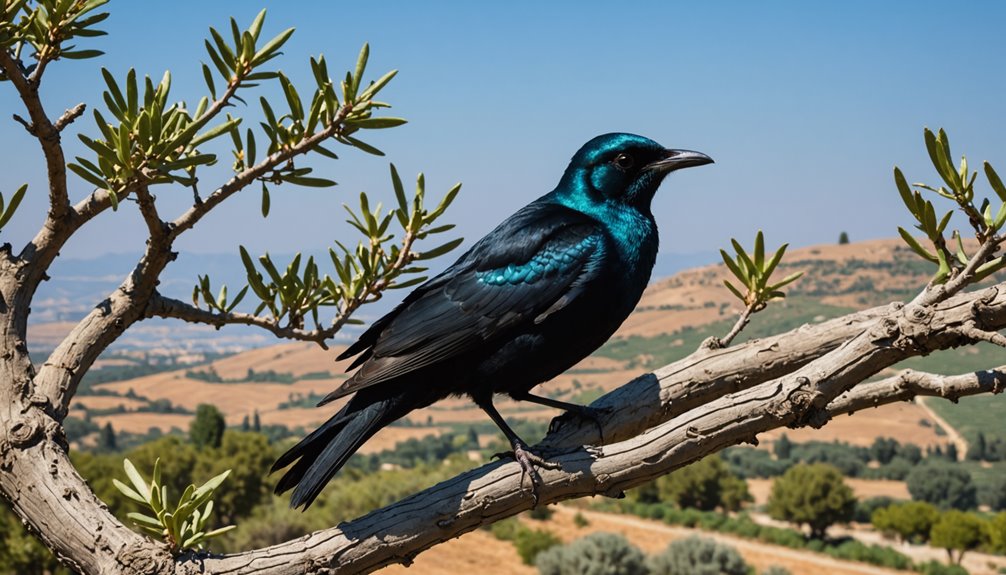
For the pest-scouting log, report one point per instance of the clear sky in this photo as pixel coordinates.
(805, 106)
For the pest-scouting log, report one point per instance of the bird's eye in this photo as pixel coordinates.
(624, 161)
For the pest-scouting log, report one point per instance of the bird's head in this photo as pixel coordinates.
(624, 168)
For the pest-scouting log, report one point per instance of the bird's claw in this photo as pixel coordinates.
(528, 460)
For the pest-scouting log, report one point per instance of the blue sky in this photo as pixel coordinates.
(805, 106)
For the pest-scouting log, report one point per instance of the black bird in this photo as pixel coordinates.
(536, 295)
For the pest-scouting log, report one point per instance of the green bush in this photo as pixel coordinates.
(854, 550)
(530, 542)
(698, 556)
(541, 513)
(812, 494)
(937, 568)
(942, 484)
(910, 520)
(596, 554)
(580, 520)
(776, 570)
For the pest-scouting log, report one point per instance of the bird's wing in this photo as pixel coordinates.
(529, 267)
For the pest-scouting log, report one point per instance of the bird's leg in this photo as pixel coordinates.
(582, 411)
(521, 453)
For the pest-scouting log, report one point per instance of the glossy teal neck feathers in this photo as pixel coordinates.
(608, 180)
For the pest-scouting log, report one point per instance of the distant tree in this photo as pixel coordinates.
(957, 531)
(706, 484)
(814, 495)
(207, 428)
(951, 452)
(996, 531)
(911, 521)
(698, 556)
(245, 424)
(977, 449)
(843, 238)
(911, 453)
(783, 447)
(993, 493)
(106, 438)
(884, 449)
(942, 485)
(596, 554)
(256, 422)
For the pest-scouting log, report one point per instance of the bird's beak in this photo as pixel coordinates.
(677, 159)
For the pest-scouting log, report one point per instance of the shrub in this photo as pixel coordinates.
(530, 542)
(937, 568)
(776, 570)
(541, 513)
(866, 507)
(580, 521)
(910, 521)
(957, 531)
(698, 556)
(814, 495)
(596, 554)
(943, 485)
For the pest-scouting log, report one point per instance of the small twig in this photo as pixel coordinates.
(148, 208)
(742, 322)
(69, 116)
(27, 125)
(971, 331)
(937, 293)
(161, 306)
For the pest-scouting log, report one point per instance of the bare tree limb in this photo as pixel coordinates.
(161, 306)
(46, 133)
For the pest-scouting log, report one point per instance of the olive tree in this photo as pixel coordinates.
(141, 141)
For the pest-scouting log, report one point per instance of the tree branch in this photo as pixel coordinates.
(161, 306)
(46, 133)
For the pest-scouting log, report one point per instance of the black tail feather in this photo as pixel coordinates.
(322, 453)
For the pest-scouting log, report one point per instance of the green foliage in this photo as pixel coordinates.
(47, 26)
(996, 532)
(207, 428)
(943, 485)
(20, 552)
(911, 521)
(957, 531)
(106, 438)
(706, 484)
(184, 525)
(698, 556)
(937, 568)
(776, 569)
(843, 238)
(596, 554)
(960, 189)
(358, 275)
(993, 493)
(580, 520)
(541, 513)
(753, 272)
(782, 447)
(529, 543)
(812, 494)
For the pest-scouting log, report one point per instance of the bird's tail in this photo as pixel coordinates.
(326, 449)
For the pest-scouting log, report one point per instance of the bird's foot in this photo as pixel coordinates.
(593, 414)
(527, 460)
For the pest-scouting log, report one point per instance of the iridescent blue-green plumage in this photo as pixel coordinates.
(536, 295)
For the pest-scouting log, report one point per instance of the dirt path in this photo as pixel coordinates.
(952, 434)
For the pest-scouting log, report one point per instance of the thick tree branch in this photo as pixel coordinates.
(910, 384)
